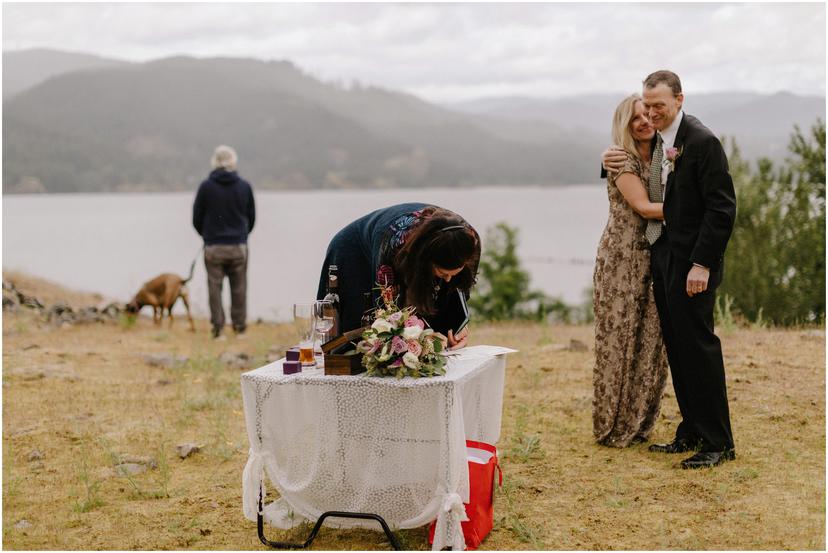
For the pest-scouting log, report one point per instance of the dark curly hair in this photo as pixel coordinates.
(445, 240)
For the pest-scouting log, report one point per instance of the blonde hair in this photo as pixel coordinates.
(225, 158)
(621, 134)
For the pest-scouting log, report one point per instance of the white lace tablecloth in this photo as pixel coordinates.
(394, 447)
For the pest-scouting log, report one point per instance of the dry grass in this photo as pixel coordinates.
(561, 490)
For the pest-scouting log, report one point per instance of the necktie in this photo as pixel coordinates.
(655, 190)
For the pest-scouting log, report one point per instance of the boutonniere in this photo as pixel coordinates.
(672, 155)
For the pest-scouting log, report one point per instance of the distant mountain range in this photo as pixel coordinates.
(27, 68)
(761, 123)
(78, 123)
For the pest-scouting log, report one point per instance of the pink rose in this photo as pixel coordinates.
(414, 321)
(398, 345)
(415, 347)
(369, 346)
(672, 153)
(396, 317)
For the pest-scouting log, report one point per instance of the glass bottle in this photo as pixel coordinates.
(332, 295)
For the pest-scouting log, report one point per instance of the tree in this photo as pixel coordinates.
(503, 286)
(775, 262)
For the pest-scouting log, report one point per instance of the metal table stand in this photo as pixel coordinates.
(337, 514)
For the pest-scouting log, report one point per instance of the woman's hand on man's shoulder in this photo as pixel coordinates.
(614, 158)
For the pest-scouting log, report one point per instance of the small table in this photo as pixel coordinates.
(391, 447)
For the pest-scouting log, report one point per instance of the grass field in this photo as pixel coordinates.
(83, 396)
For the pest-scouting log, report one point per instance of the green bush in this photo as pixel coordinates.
(503, 291)
(775, 261)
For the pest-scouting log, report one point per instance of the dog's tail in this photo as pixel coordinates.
(192, 266)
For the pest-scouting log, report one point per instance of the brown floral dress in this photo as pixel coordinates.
(630, 361)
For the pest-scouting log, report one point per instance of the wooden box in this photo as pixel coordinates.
(336, 362)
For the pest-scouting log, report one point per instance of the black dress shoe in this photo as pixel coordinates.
(679, 445)
(708, 459)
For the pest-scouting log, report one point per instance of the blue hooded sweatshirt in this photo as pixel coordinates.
(224, 211)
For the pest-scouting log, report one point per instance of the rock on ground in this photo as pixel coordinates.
(43, 371)
(235, 360)
(128, 458)
(34, 455)
(185, 450)
(165, 360)
(61, 313)
(130, 469)
(10, 300)
(577, 345)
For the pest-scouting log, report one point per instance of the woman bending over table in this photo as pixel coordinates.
(425, 253)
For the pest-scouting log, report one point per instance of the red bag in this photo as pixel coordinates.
(480, 508)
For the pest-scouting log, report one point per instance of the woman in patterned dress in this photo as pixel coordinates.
(630, 362)
(422, 251)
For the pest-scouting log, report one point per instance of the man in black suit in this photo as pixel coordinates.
(689, 174)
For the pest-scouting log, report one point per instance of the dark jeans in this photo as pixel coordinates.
(227, 260)
(693, 350)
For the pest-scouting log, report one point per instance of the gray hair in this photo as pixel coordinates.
(225, 158)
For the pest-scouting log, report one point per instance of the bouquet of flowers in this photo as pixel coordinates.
(398, 344)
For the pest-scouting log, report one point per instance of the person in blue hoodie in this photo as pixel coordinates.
(223, 214)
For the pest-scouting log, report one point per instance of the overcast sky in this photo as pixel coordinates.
(451, 52)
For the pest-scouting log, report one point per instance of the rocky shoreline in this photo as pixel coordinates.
(59, 313)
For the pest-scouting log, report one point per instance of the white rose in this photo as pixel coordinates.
(381, 325)
(412, 332)
(410, 360)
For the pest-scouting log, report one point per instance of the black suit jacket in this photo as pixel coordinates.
(699, 201)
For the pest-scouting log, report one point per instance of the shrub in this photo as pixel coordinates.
(503, 291)
(775, 261)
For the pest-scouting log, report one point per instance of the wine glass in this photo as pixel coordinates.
(323, 316)
(304, 322)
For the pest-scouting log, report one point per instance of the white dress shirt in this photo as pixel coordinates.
(668, 138)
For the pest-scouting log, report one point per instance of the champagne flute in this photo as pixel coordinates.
(304, 322)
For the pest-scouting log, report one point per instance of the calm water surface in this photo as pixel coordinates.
(112, 243)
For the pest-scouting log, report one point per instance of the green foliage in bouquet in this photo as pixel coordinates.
(398, 344)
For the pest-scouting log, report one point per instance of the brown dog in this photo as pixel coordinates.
(161, 293)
